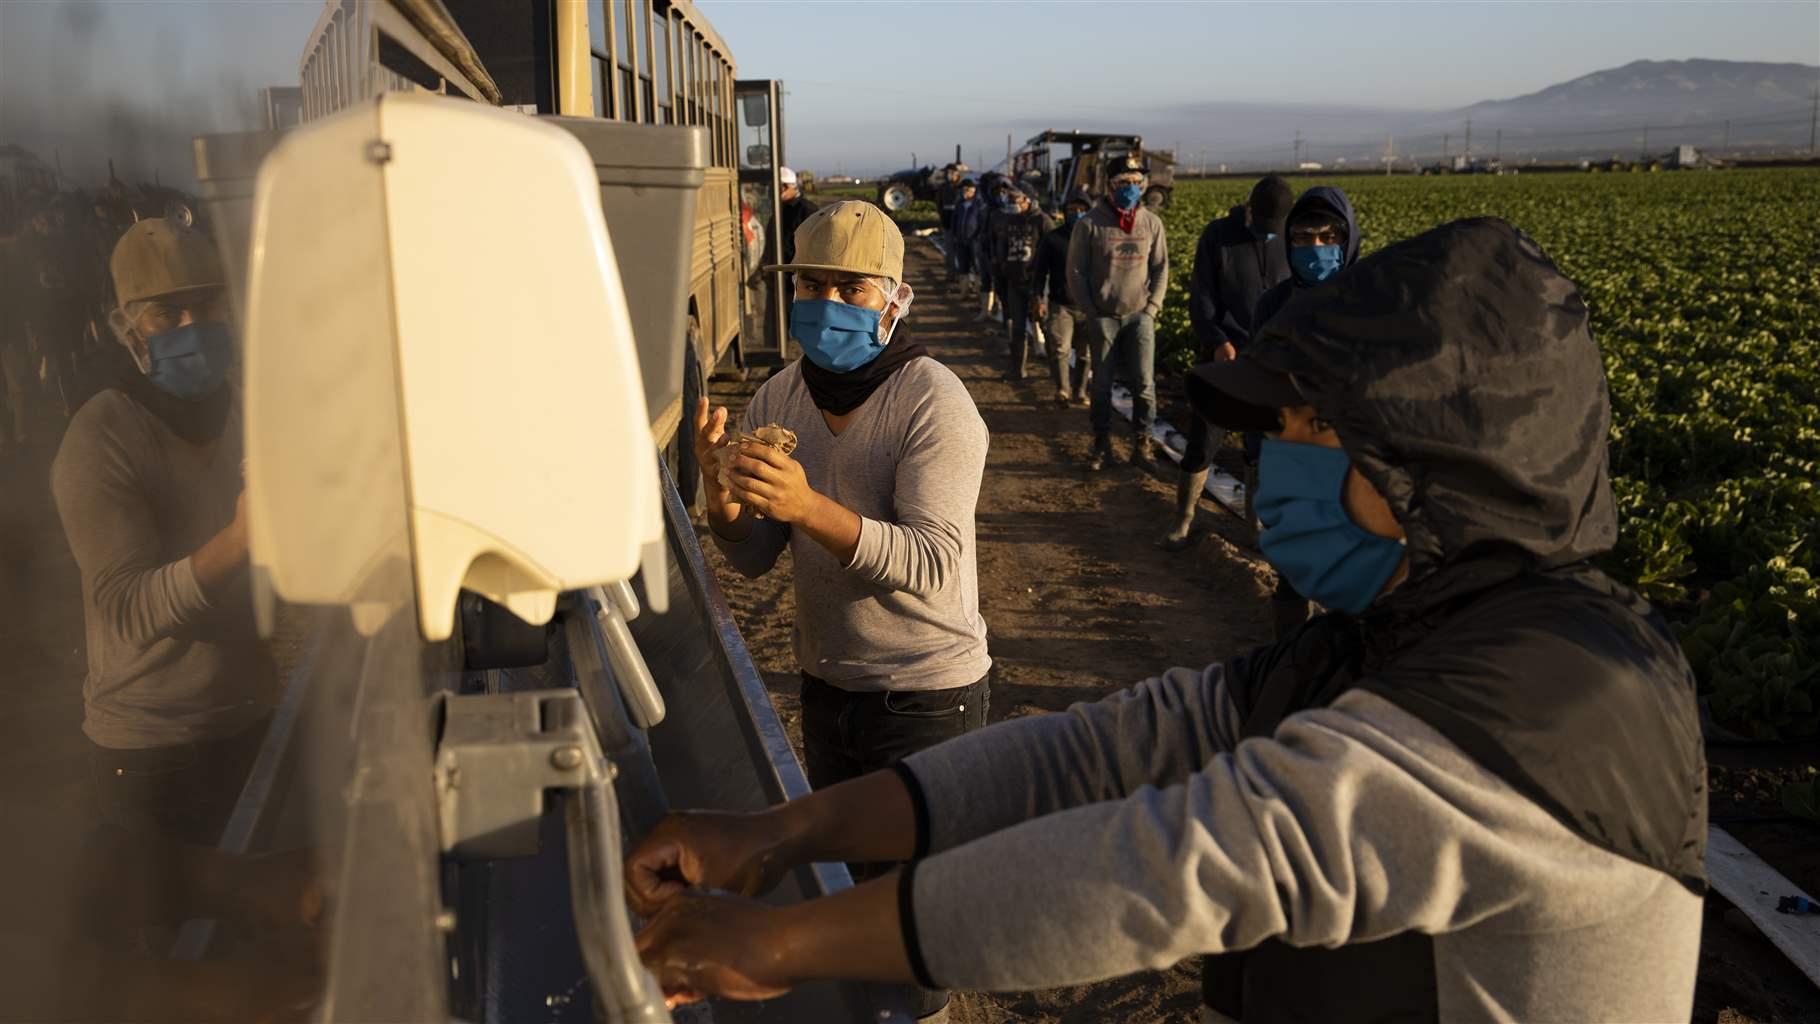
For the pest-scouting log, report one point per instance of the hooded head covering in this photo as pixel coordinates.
(1461, 374)
(1270, 203)
(1332, 201)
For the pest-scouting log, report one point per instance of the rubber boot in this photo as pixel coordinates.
(1102, 450)
(1143, 456)
(1187, 499)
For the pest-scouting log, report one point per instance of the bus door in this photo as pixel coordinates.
(761, 153)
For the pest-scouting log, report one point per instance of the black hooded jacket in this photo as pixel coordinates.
(1321, 197)
(1460, 373)
(1233, 268)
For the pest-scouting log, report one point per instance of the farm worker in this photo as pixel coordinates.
(796, 209)
(998, 196)
(947, 197)
(1118, 272)
(1473, 791)
(1053, 306)
(1323, 241)
(148, 485)
(1017, 230)
(969, 216)
(1239, 257)
(876, 505)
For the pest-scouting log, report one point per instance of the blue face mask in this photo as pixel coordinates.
(1126, 197)
(191, 361)
(1307, 534)
(1070, 218)
(1315, 263)
(836, 336)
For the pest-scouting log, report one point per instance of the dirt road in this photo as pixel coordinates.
(1079, 599)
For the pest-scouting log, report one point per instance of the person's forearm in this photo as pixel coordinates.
(221, 561)
(728, 520)
(834, 526)
(865, 820)
(853, 935)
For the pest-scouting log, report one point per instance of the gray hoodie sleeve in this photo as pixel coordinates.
(113, 535)
(1352, 823)
(1159, 268)
(1154, 733)
(1080, 264)
(936, 487)
(754, 556)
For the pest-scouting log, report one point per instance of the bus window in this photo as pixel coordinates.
(624, 54)
(647, 98)
(660, 49)
(600, 47)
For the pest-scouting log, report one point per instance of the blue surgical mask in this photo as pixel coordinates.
(1309, 537)
(1070, 218)
(1126, 197)
(1316, 263)
(191, 361)
(836, 336)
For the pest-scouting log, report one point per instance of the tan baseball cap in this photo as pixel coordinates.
(853, 237)
(157, 259)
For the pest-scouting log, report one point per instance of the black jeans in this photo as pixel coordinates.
(184, 792)
(846, 735)
(1203, 440)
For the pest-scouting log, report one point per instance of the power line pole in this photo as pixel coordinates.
(1813, 121)
(1297, 162)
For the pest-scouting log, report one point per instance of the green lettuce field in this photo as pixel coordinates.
(1705, 296)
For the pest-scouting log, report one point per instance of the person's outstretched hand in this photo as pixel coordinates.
(705, 945)
(741, 853)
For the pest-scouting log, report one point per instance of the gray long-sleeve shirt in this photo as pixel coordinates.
(904, 615)
(1112, 272)
(1159, 836)
(165, 666)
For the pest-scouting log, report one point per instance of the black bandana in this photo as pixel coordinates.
(841, 393)
(198, 421)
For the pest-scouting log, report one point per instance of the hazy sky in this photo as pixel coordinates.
(871, 82)
(947, 72)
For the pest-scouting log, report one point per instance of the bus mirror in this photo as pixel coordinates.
(462, 393)
(758, 155)
(754, 109)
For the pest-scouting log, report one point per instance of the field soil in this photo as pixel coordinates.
(1081, 602)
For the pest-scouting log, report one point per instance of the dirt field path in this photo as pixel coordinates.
(1079, 599)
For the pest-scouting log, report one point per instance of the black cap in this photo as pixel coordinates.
(1128, 163)
(1241, 394)
(1080, 196)
(1270, 201)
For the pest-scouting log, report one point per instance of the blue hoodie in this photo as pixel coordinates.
(1321, 197)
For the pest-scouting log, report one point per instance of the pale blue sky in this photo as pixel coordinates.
(934, 73)
(870, 82)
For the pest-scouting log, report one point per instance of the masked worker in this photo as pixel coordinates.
(1056, 310)
(876, 505)
(1473, 791)
(148, 485)
(947, 197)
(796, 209)
(1239, 257)
(970, 215)
(1118, 273)
(1323, 237)
(1017, 230)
